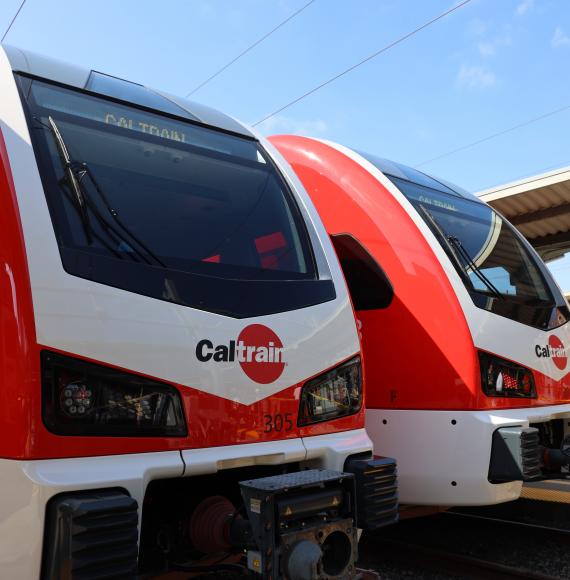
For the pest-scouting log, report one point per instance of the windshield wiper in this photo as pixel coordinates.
(75, 172)
(474, 268)
(72, 180)
(455, 245)
(86, 170)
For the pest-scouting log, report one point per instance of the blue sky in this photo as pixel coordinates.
(488, 66)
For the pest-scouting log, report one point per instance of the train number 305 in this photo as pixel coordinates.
(278, 422)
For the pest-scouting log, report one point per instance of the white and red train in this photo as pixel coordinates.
(181, 377)
(465, 332)
(179, 360)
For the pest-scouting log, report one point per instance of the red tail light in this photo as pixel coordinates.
(502, 378)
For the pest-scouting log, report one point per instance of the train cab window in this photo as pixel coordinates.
(165, 207)
(498, 276)
(500, 272)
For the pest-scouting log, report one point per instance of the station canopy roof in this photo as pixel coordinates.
(539, 207)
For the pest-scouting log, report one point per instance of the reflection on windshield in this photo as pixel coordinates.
(196, 199)
(462, 256)
(156, 204)
(492, 250)
(501, 275)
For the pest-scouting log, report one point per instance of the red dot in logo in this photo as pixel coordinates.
(558, 352)
(260, 353)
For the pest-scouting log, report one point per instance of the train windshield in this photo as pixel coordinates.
(501, 274)
(498, 270)
(168, 208)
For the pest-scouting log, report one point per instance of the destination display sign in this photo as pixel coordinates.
(437, 202)
(148, 125)
(102, 110)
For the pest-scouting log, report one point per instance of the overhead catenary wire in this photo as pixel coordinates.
(12, 22)
(494, 135)
(364, 60)
(250, 47)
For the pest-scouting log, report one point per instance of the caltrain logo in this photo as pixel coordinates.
(554, 350)
(258, 350)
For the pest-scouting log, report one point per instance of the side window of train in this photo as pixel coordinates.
(369, 286)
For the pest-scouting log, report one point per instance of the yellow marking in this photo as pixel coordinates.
(557, 491)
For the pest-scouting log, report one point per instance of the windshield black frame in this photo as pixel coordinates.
(545, 314)
(229, 290)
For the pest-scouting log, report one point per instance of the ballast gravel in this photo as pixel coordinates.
(536, 550)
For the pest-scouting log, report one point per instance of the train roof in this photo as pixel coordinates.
(401, 171)
(34, 64)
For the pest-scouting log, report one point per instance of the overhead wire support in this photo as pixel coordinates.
(365, 60)
(250, 47)
(493, 135)
(12, 21)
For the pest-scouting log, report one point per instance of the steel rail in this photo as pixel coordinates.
(422, 555)
(524, 524)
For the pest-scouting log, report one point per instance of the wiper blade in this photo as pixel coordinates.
(73, 169)
(475, 269)
(455, 245)
(72, 180)
(86, 170)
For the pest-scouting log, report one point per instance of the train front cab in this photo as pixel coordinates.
(467, 368)
(179, 361)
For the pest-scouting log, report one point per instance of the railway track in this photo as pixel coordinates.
(436, 563)
(457, 546)
(454, 547)
(549, 516)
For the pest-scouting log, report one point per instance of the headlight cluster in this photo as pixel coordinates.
(336, 393)
(502, 378)
(81, 398)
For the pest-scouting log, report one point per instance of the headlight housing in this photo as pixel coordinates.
(81, 398)
(502, 378)
(336, 393)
